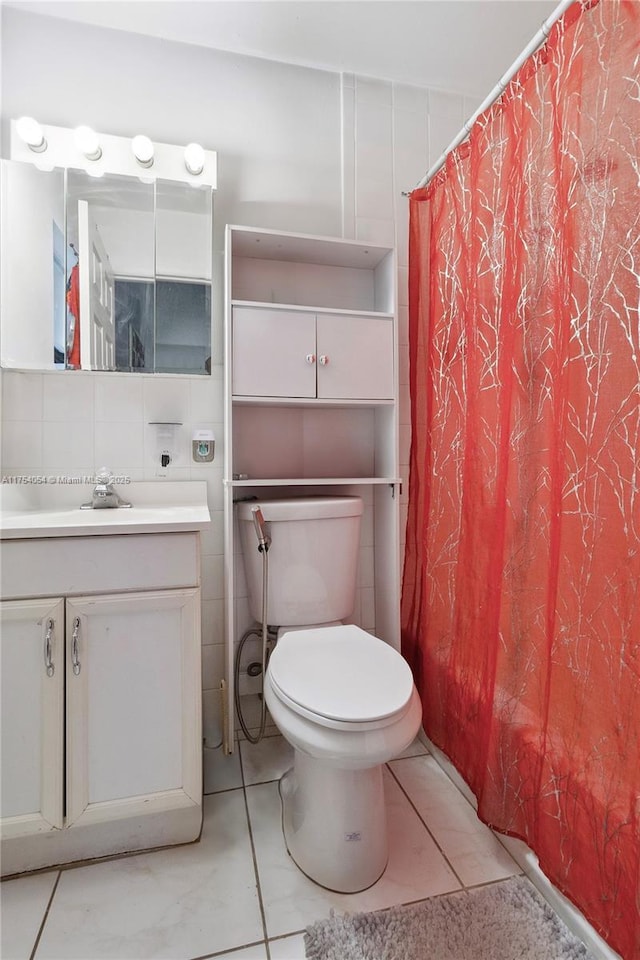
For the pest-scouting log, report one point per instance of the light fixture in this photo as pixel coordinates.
(30, 131)
(87, 143)
(142, 150)
(194, 158)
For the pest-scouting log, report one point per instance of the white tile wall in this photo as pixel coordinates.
(442, 103)
(23, 395)
(118, 398)
(68, 397)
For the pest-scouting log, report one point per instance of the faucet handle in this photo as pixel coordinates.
(104, 475)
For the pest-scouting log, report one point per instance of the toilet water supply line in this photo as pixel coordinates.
(264, 542)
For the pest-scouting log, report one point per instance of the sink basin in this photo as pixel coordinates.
(42, 510)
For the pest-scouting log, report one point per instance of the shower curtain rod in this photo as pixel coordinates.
(497, 91)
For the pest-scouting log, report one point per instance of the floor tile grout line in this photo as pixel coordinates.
(44, 918)
(286, 936)
(232, 950)
(494, 833)
(255, 860)
(474, 806)
(463, 891)
(423, 822)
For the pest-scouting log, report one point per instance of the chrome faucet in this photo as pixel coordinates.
(104, 495)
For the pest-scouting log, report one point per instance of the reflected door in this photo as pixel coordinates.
(97, 310)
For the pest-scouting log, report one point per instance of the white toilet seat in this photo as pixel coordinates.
(341, 677)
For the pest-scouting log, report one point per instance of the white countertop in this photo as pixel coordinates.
(30, 510)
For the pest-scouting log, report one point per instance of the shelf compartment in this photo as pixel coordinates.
(272, 442)
(271, 268)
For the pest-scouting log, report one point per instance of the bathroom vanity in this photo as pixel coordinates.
(311, 402)
(101, 674)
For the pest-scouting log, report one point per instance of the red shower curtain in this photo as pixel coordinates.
(521, 598)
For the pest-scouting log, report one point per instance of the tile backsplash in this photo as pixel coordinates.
(74, 422)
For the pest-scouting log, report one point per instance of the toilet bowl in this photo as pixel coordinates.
(343, 698)
(346, 702)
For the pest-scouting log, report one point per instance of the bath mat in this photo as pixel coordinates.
(503, 921)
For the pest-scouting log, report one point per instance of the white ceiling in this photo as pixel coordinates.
(461, 45)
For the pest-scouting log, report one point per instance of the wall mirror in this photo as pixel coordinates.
(108, 272)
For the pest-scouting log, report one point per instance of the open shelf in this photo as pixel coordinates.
(255, 243)
(312, 308)
(309, 402)
(313, 482)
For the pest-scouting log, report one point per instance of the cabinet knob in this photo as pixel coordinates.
(311, 358)
(324, 359)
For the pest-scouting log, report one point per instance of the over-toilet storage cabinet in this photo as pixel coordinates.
(286, 353)
(101, 725)
(311, 374)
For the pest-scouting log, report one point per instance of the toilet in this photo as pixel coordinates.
(344, 699)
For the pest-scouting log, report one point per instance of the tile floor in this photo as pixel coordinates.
(236, 895)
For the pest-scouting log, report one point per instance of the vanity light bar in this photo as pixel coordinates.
(100, 153)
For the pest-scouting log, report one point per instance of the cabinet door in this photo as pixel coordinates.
(134, 741)
(32, 670)
(273, 353)
(355, 357)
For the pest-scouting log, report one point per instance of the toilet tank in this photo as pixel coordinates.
(313, 558)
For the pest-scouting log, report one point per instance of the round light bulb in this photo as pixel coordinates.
(194, 158)
(87, 143)
(30, 132)
(142, 148)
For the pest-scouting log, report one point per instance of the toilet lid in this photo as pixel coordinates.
(342, 673)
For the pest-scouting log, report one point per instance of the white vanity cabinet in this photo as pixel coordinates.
(289, 353)
(101, 696)
(311, 403)
(132, 704)
(32, 716)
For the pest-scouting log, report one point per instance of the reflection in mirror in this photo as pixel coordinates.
(32, 267)
(127, 287)
(179, 341)
(183, 278)
(135, 339)
(110, 235)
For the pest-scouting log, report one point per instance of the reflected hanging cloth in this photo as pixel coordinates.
(73, 318)
(521, 594)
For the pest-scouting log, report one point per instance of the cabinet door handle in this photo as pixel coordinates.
(48, 660)
(310, 358)
(324, 359)
(75, 659)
